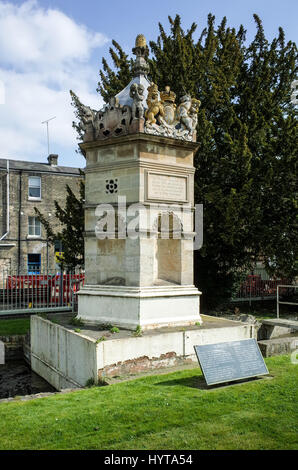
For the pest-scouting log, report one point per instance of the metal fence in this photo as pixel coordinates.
(283, 290)
(256, 288)
(34, 293)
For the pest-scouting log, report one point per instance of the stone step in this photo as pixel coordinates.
(275, 327)
(278, 346)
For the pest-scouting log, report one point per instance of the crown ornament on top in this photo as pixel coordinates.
(140, 108)
(168, 95)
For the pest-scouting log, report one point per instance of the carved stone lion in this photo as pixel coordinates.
(155, 107)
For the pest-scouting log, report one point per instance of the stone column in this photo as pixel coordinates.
(144, 278)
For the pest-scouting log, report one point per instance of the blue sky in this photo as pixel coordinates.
(48, 47)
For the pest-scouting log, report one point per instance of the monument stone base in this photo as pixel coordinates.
(147, 307)
(69, 358)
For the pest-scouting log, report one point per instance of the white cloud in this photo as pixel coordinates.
(43, 54)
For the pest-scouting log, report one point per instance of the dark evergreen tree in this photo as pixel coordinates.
(247, 131)
(112, 82)
(71, 219)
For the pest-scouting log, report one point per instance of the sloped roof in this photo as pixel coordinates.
(39, 167)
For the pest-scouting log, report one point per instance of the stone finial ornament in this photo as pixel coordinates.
(141, 51)
(139, 107)
(141, 41)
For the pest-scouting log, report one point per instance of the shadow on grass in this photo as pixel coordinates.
(199, 382)
(196, 381)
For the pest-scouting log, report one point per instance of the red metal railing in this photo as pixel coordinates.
(256, 287)
(40, 291)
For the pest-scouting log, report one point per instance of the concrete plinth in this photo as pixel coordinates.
(66, 358)
(147, 307)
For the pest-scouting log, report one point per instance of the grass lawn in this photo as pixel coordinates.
(17, 326)
(161, 412)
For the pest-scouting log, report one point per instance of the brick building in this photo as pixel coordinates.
(23, 186)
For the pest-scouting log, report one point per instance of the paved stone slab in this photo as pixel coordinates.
(282, 323)
(209, 322)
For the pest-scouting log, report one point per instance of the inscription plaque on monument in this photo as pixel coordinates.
(234, 360)
(166, 187)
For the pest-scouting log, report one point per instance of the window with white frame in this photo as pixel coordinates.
(34, 227)
(34, 187)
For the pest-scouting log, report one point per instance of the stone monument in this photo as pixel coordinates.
(139, 210)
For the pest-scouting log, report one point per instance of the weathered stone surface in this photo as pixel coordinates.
(137, 94)
(142, 364)
(164, 187)
(61, 356)
(151, 266)
(278, 346)
(275, 327)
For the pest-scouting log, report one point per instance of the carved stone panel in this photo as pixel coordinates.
(165, 187)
